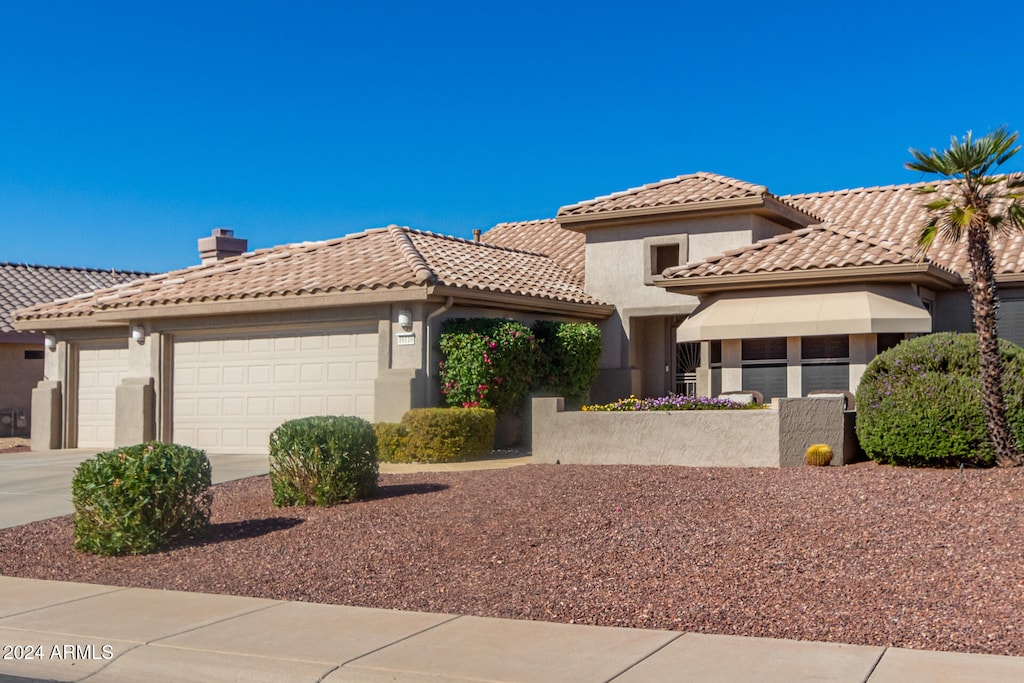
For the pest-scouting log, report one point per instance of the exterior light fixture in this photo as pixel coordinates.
(50, 342)
(139, 333)
(405, 319)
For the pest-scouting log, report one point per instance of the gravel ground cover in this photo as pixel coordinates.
(928, 559)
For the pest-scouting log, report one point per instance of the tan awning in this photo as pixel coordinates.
(798, 315)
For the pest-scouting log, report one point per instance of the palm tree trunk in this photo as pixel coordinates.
(984, 300)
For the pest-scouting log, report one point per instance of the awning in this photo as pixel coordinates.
(803, 315)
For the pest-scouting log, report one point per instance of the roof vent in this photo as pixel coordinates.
(221, 245)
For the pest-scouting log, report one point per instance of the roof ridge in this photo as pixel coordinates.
(413, 258)
(629, 191)
(733, 182)
(80, 269)
(532, 221)
(463, 240)
(863, 190)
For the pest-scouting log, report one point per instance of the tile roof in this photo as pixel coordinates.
(23, 285)
(897, 213)
(693, 188)
(385, 258)
(816, 247)
(567, 247)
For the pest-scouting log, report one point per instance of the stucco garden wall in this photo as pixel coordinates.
(773, 437)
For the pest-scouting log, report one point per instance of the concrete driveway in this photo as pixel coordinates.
(37, 485)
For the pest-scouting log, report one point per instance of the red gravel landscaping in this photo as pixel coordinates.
(930, 559)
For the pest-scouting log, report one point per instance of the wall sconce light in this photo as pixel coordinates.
(139, 334)
(50, 342)
(405, 319)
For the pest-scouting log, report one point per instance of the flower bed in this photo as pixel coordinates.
(670, 402)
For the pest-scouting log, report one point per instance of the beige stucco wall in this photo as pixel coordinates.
(616, 257)
(773, 437)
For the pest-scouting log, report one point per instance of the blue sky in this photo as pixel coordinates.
(130, 129)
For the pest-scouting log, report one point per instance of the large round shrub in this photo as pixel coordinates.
(920, 403)
(568, 359)
(323, 460)
(139, 499)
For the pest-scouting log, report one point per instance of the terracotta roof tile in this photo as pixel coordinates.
(567, 247)
(816, 247)
(385, 258)
(684, 189)
(897, 213)
(23, 285)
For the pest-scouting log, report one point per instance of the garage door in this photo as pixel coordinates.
(100, 370)
(230, 393)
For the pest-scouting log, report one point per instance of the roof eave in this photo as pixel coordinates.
(765, 205)
(524, 302)
(264, 304)
(921, 273)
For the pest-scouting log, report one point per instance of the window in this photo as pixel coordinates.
(825, 363)
(715, 361)
(661, 253)
(1011, 320)
(888, 340)
(33, 354)
(666, 256)
(764, 367)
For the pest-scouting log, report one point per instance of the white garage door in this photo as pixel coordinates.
(100, 370)
(230, 393)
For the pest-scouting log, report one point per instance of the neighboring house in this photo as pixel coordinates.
(21, 353)
(701, 284)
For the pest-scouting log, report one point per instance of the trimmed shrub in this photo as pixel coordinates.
(323, 460)
(142, 498)
(446, 434)
(568, 361)
(488, 363)
(391, 438)
(920, 403)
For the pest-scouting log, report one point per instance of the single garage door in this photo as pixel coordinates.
(231, 392)
(100, 370)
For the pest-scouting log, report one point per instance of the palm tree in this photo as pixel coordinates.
(980, 207)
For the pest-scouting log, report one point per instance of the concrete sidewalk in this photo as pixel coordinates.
(74, 632)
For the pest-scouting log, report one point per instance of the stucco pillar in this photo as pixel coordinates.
(133, 411)
(46, 416)
(863, 349)
(794, 371)
(732, 362)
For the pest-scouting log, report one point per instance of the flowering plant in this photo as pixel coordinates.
(670, 402)
(488, 363)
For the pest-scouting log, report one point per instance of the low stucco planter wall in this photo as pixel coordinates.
(774, 437)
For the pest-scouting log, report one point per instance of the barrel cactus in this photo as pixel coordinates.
(819, 454)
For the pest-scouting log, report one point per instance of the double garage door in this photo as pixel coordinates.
(231, 392)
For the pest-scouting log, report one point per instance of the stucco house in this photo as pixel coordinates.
(22, 352)
(701, 284)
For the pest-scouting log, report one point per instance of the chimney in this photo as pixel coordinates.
(476, 234)
(220, 245)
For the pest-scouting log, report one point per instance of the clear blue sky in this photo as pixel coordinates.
(128, 130)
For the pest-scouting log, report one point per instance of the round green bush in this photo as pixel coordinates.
(920, 403)
(323, 461)
(569, 354)
(140, 499)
